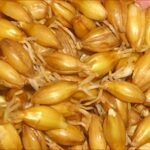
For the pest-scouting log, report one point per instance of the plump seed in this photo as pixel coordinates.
(71, 135)
(122, 109)
(115, 14)
(102, 63)
(135, 26)
(64, 12)
(125, 91)
(82, 25)
(41, 33)
(63, 63)
(96, 135)
(91, 9)
(55, 92)
(9, 138)
(10, 31)
(142, 133)
(141, 72)
(100, 39)
(37, 8)
(43, 118)
(33, 139)
(16, 56)
(10, 76)
(114, 130)
(15, 11)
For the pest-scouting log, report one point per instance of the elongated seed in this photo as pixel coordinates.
(37, 8)
(43, 118)
(113, 126)
(17, 56)
(9, 137)
(125, 91)
(9, 75)
(96, 135)
(100, 39)
(91, 9)
(63, 63)
(71, 135)
(55, 92)
(142, 133)
(15, 11)
(10, 31)
(41, 33)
